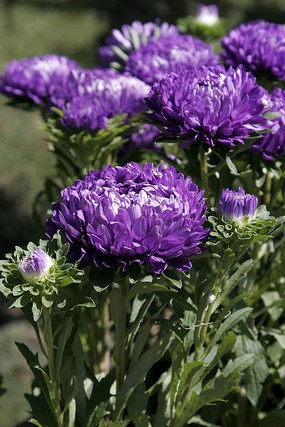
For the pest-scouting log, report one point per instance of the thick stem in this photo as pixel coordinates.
(204, 175)
(48, 337)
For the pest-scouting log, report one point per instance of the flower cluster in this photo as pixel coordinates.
(169, 53)
(210, 104)
(29, 79)
(272, 144)
(130, 37)
(259, 46)
(89, 98)
(133, 213)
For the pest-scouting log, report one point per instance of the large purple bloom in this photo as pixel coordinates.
(210, 104)
(133, 213)
(30, 78)
(89, 98)
(160, 56)
(130, 37)
(272, 144)
(259, 46)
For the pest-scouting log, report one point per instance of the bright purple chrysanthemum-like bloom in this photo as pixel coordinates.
(272, 144)
(79, 82)
(30, 78)
(209, 104)
(132, 213)
(130, 37)
(235, 205)
(36, 265)
(259, 46)
(89, 99)
(161, 56)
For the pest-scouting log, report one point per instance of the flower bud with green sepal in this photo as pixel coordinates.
(241, 222)
(38, 275)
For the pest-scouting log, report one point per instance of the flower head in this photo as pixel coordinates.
(259, 46)
(36, 265)
(30, 78)
(160, 56)
(133, 213)
(130, 37)
(272, 144)
(89, 99)
(235, 205)
(210, 103)
(207, 15)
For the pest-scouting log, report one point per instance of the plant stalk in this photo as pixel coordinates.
(204, 175)
(48, 337)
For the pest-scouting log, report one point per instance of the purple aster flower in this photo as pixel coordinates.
(161, 56)
(30, 78)
(90, 97)
(36, 265)
(207, 15)
(103, 99)
(259, 46)
(272, 144)
(235, 205)
(78, 83)
(209, 104)
(145, 136)
(132, 213)
(130, 37)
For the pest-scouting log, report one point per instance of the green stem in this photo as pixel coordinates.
(120, 341)
(204, 175)
(267, 188)
(48, 337)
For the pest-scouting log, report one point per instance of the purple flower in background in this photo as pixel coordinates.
(210, 104)
(30, 78)
(130, 37)
(259, 46)
(235, 205)
(145, 136)
(78, 83)
(89, 99)
(207, 15)
(36, 265)
(132, 213)
(272, 144)
(161, 56)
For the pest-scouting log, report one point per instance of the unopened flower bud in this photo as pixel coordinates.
(207, 15)
(235, 205)
(36, 265)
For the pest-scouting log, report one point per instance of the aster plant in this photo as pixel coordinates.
(158, 290)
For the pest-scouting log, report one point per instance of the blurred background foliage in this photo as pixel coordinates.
(74, 28)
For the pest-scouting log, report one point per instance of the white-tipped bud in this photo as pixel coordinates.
(36, 265)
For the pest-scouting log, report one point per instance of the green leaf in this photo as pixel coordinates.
(274, 418)
(228, 324)
(221, 388)
(145, 288)
(231, 166)
(136, 406)
(139, 370)
(239, 364)
(233, 281)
